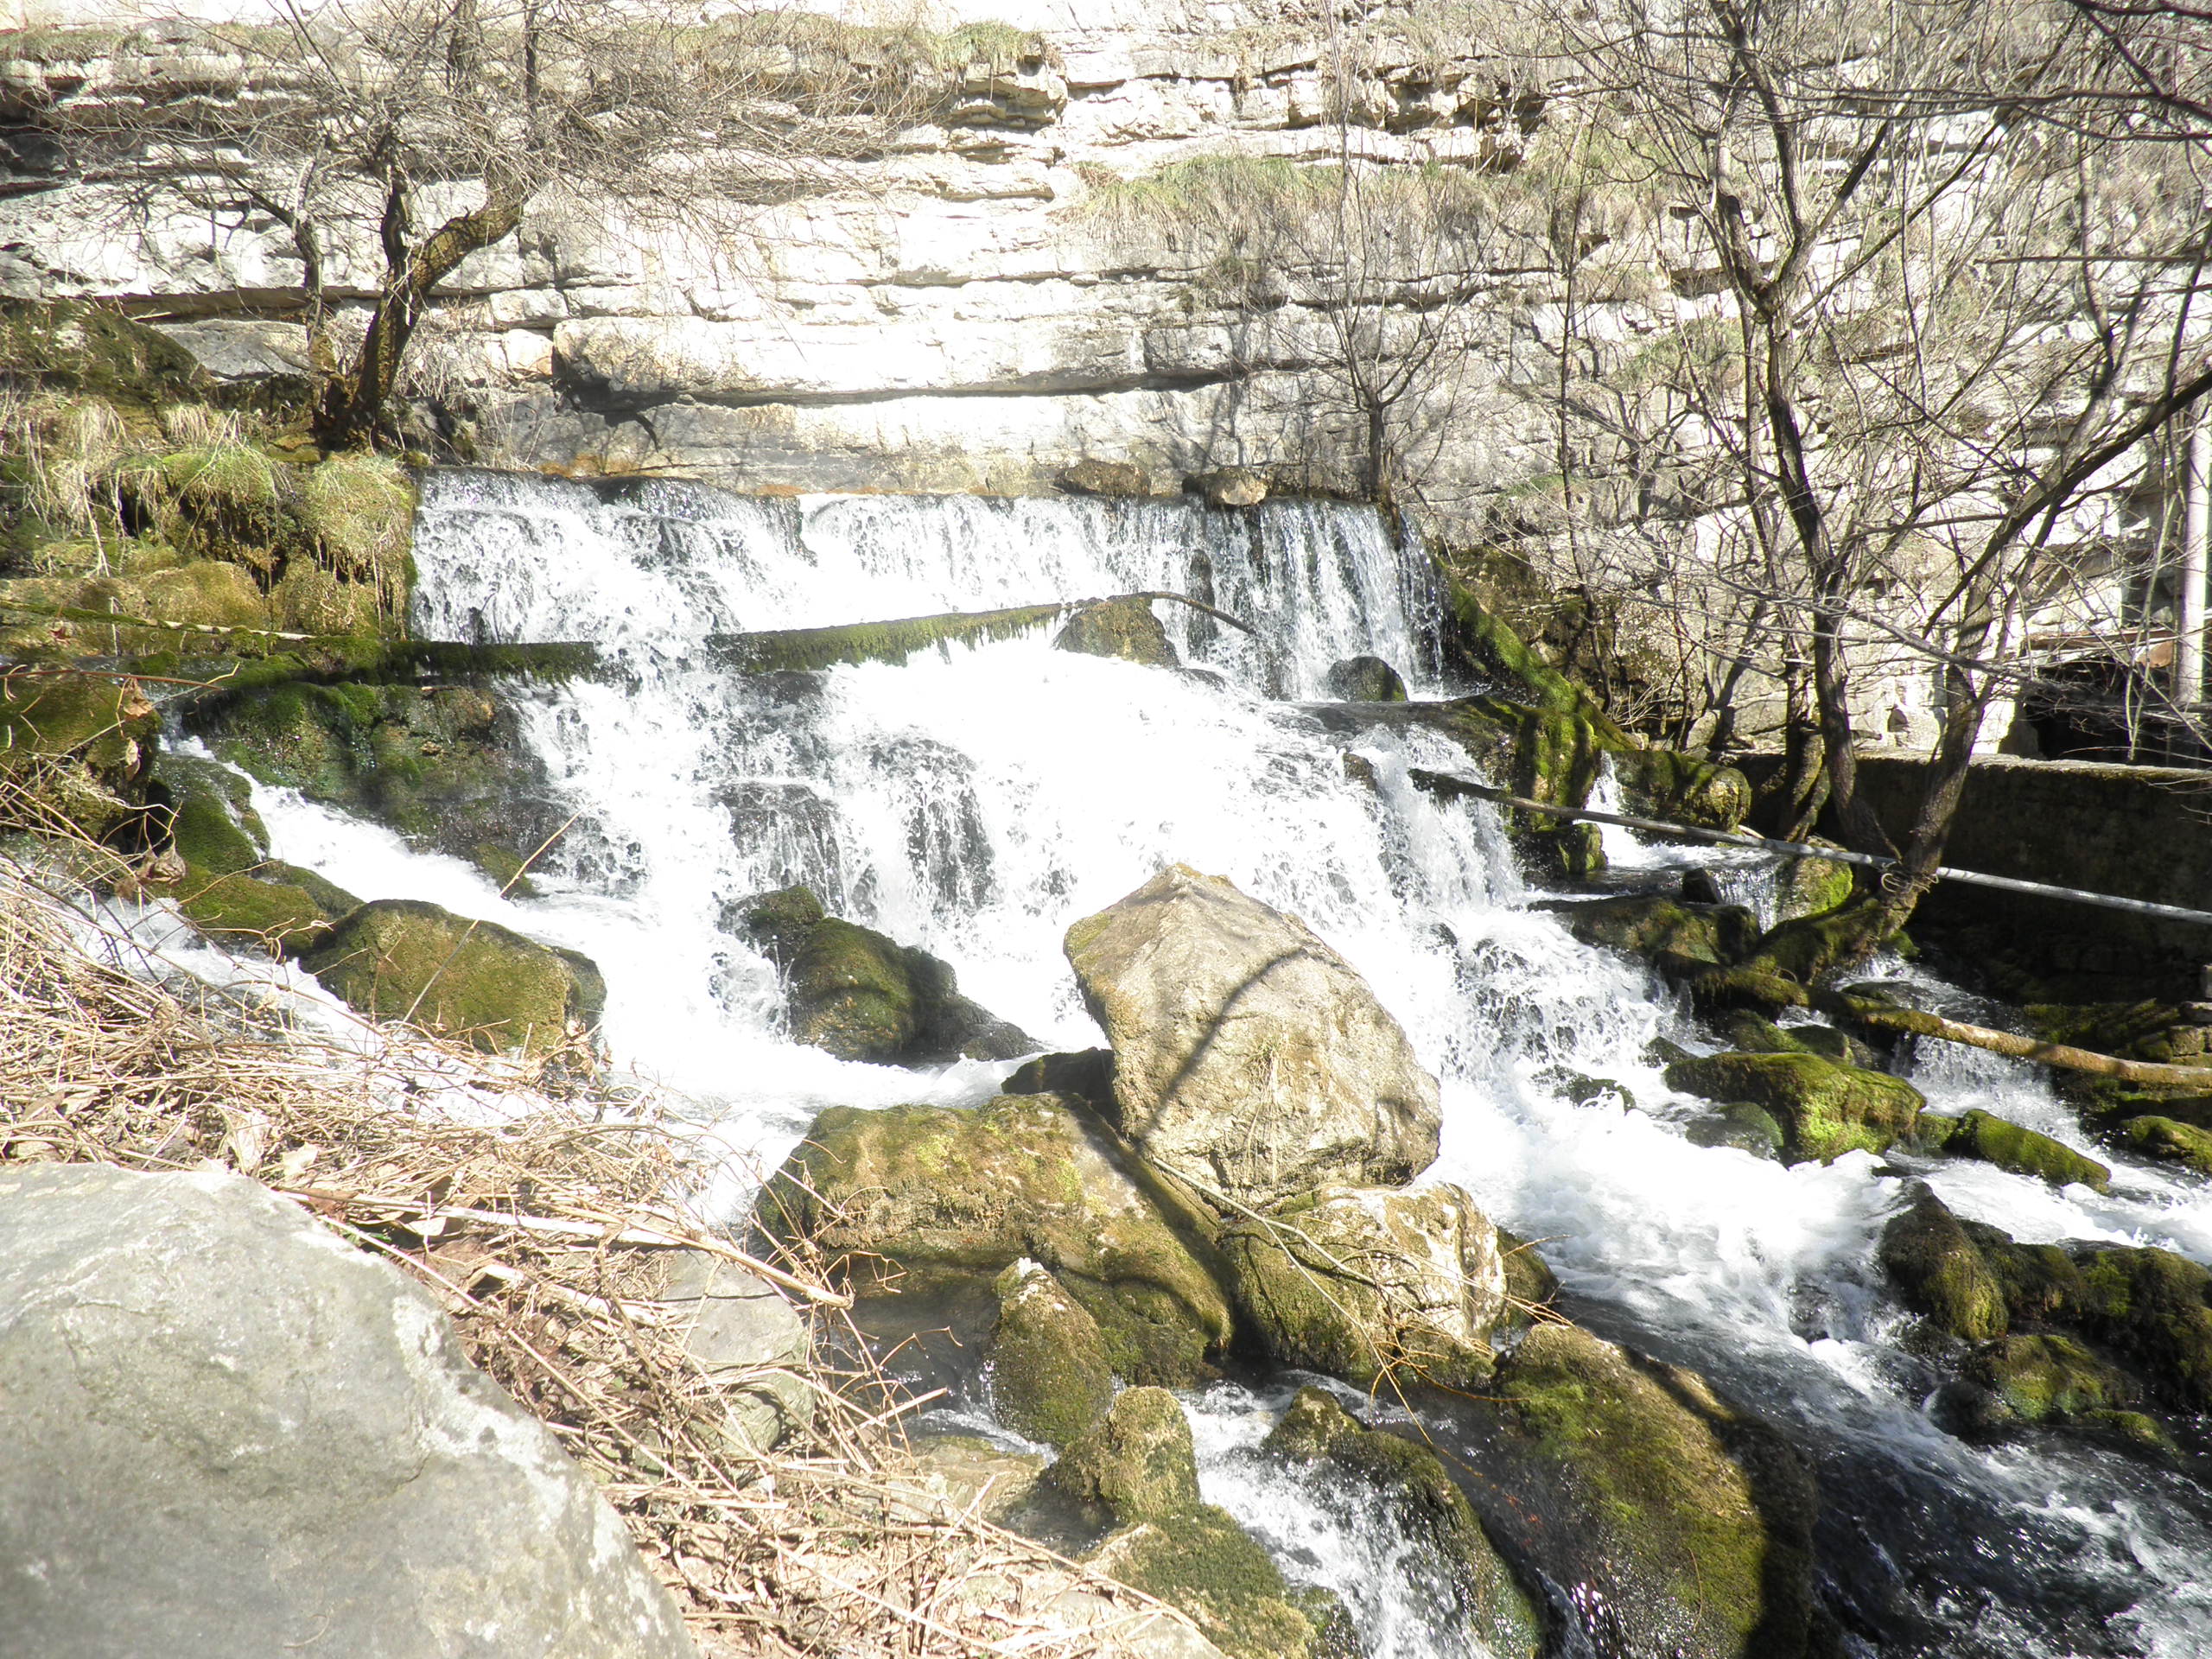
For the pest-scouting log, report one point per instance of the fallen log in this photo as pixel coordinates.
(1918, 1023)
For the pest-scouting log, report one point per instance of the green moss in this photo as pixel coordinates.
(851, 993)
(1941, 1273)
(238, 909)
(360, 512)
(2041, 1377)
(1691, 1521)
(1723, 990)
(1051, 1377)
(78, 748)
(950, 1198)
(1529, 1281)
(1653, 927)
(1489, 649)
(2170, 1142)
(1411, 1483)
(1136, 1462)
(2024, 1151)
(1680, 788)
(2151, 1305)
(1742, 1127)
(1813, 886)
(1808, 948)
(401, 959)
(1201, 1562)
(70, 345)
(1825, 1109)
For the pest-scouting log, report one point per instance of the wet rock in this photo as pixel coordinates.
(1743, 1125)
(1660, 783)
(2036, 1379)
(231, 1433)
(476, 981)
(2151, 1306)
(861, 996)
(1530, 1281)
(952, 1198)
(1088, 1076)
(1137, 1470)
(1406, 1487)
(1941, 1273)
(222, 881)
(1825, 1109)
(1651, 926)
(1993, 1140)
(2169, 1141)
(444, 767)
(1755, 1035)
(81, 747)
(1249, 1057)
(748, 1342)
(1586, 1091)
(1807, 886)
(1090, 476)
(1684, 1523)
(1119, 627)
(1368, 1283)
(1365, 679)
(1718, 991)
(1051, 1377)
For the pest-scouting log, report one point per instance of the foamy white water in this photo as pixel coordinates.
(975, 803)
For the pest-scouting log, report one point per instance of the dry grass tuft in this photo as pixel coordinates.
(539, 1212)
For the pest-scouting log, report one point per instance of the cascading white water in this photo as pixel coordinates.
(977, 804)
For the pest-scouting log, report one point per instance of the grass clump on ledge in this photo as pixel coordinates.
(538, 1210)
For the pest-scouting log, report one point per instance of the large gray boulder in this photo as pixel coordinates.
(229, 1433)
(1249, 1057)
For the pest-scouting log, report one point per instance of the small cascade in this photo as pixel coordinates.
(976, 802)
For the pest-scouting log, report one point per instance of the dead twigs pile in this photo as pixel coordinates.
(545, 1217)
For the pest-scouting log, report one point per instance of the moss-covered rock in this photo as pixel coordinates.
(1939, 1271)
(1409, 1483)
(1201, 1562)
(1119, 627)
(445, 766)
(1530, 1281)
(1660, 928)
(1743, 1127)
(950, 1197)
(2038, 1379)
(2151, 1305)
(1367, 1282)
(861, 996)
(1755, 1035)
(1486, 646)
(199, 600)
(239, 909)
(1136, 1462)
(1679, 788)
(1051, 1377)
(1688, 1522)
(402, 959)
(1810, 886)
(2169, 1141)
(75, 749)
(1365, 679)
(1720, 991)
(1825, 1109)
(2025, 1152)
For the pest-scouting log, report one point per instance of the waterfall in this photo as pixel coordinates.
(977, 801)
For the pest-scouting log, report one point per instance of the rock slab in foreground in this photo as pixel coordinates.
(1248, 1057)
(231, 1433)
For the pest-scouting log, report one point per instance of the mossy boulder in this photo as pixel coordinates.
(1051, 1377)
(1939, 1271)
(1720, 991)
(2025, 1152)
(445, 766)
(1366, 1283)
(2169, 1141)
(1687, 1521)
(1125, 628)
(1530, 1281)
(1752, 1034)
(1409, 1484)
(2036, 1379)
(861, 996)
(1825, 1109)
(1679, 788)
(1742, 1127)
(2151, 1306)
(943, 1199)
(226, 886)
(475, 980)
(1137, 1469)
(1365, 679)
(1659, 928)
(76, 749)
(1809, 886)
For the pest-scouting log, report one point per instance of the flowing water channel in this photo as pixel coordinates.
(975, 803)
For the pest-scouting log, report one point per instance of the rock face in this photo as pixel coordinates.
(229, 1433)
(953, 1197)
(1679, 1525)
(404, 959)
(861, 996)
(1361, 1282)
(1249, 1057)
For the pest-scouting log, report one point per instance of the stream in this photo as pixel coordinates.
(975, 803)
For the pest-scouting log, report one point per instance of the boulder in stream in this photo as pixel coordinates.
(1676, 1523)
(1366, 1283)
(950, 1197)
(1249, 1059)
(1996, 1140)
(231, 1433)
(1366, 679)
(1125, 628)
(1824, 1109)
(1050, 1375)
(476, 981)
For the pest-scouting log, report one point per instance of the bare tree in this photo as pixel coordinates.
(433, 126)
